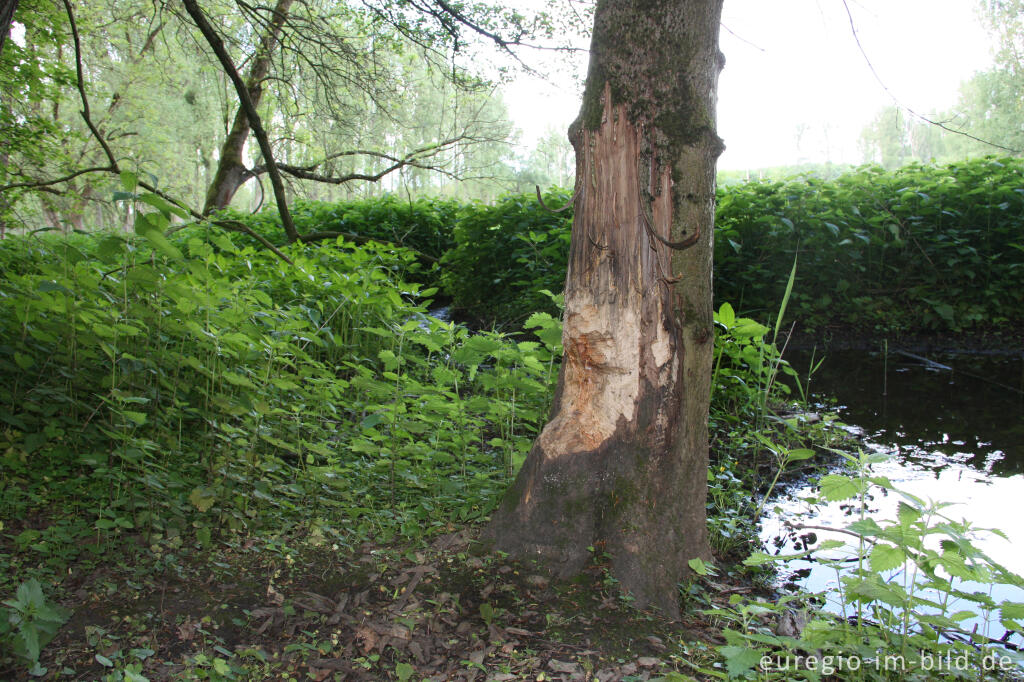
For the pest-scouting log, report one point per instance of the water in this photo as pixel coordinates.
(953, 430)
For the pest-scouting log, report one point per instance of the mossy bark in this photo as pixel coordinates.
(622, 463)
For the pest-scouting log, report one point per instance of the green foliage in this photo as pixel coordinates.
(918, 248)
(496, 260)
(905, 588)
(189, 389)
(506, 255)
(424, 225)
(29, 623)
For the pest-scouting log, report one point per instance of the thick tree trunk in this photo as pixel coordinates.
(231, 171)
(622, 464)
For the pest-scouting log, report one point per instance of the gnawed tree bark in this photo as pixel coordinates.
(231, 171)
(621, 466)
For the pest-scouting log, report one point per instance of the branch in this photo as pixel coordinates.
(44, 184)
(217, 45)
(567, 206)
(938, 124)
(81, 91)
(239, 226)
(413, 159)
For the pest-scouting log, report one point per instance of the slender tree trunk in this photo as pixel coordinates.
(621, 466)
(7, 9)
(231, 171)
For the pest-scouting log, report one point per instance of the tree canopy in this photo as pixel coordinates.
(347, 96)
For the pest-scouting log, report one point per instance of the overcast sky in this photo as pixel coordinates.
(796, 88)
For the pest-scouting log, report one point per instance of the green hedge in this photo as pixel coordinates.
(918, 248)
(505, 256)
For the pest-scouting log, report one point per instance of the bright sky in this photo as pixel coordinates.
(796, 88)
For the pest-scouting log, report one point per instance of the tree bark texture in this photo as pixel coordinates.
(621, 466)
(231, 171)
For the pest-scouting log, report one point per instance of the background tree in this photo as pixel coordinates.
(349, 95)
(7, 9)
(988, 117)
(621, 465)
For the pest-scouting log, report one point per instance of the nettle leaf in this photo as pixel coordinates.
(748, 329)
(866, 527)
(1011, 610)
(202, 498)
(886, 557)
(236, 379)
(152, 226)
(700, 568)
(758, 559)
(740, 659)
(726, 316)
(389, 359)
(799, 454)
(129, 181)
(164, 206)
(907, 515)
(835, 487)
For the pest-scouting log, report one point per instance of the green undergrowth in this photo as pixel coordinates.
(162, 397)
(169, 398)
(914, 597)
(171, 394)
(917, 250)
(920, 248)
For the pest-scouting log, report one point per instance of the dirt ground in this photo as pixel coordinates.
(444, 611)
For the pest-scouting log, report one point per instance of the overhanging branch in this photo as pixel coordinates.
(414, 159)
(217, 45)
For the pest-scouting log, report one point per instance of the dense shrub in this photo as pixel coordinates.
(505, 256)
(913, 249)
(916, 249)
(185, 387)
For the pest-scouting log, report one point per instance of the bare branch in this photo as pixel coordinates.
(937, 124)
(414, 159)
(567, 206)
(43, 184)
(239, 226)
(81, 90)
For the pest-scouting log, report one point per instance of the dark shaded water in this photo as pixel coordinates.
(953, 429)
(972, 413)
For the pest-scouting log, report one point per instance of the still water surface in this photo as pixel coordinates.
(953, 429)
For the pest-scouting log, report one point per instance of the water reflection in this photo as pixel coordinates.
(954, 435)
(972, 413)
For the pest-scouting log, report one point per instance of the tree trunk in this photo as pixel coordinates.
(621, 466)
(231, 171)
(7, 9)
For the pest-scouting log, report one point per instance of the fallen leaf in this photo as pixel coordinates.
(563, 666)
(538, 581)
(367, 638)
(187, 630)
(518, 631)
